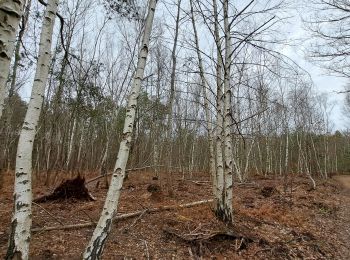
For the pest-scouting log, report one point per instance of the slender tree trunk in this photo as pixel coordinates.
(71, 143)
(261, 170)
(12, 104)
(171, 102)
(267, 162)
(326, 155)
(22, 217)
(244, 175)
(80, 148)
(219, 195)
(336, 156)
(286, 160)
(103, 166)
(316, 156)
(156, 158)
(206, 104)
(280, 156)
(228, 168)
(10, 16)
(236, 164)
(95, 247)
(18, 47)
(304, 161)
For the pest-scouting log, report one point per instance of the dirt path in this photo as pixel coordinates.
(344, 180)
(344, 215)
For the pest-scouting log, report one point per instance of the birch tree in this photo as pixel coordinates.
(22, 217)
(95, 247)
(170, 103)
(17, 56)
(228, 166)
(219, 205)
(10, 16)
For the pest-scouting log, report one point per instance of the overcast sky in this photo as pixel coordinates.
(324, 83)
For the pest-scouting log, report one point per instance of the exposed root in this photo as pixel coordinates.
(74, 188)
(199, 240)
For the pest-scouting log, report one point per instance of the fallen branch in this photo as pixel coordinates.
(201, 236)
(199, 183)
(246, 184)
(127, 170)
(124, 216)
(126, 230)
(50, 214)
(197, 239)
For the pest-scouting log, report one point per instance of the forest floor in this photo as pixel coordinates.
(269, 223)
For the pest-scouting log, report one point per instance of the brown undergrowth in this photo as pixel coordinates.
(269, 222)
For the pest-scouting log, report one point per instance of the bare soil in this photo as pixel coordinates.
(269, 222)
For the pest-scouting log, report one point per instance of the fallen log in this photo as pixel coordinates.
(124, 216)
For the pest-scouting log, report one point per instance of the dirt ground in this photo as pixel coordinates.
(269, 222)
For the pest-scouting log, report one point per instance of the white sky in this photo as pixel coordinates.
(323, 82)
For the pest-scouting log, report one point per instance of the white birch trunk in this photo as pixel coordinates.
(95, 247)
(22, 217)
(71, 142)
(336, 156)
(80, 148)
(286, 161)
(10, 16)
(280, 157)
(316, 156)
(247, 160)
(304, 161)
(219, 196)
(17, 56)
(156, 158)
(325, 156)
(228, 169)
(237, 167)
(260, 171)
(267, 162)
(103, 164)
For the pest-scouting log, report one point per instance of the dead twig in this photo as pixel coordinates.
(127, 170)
(191, 253)
(87, 215)
(50, 214)
(125, 230)
(200, 183)
(146, 249)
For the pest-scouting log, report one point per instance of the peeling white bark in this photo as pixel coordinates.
(219, 196)
(286, 162)
(95, 246)
(10, 16)
(22, 218)
(228, 169)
